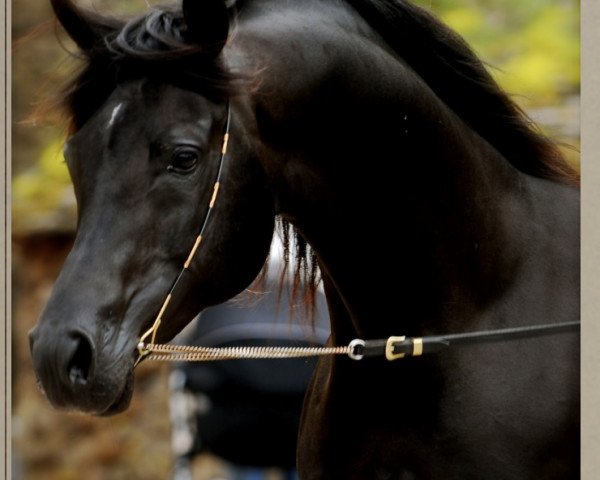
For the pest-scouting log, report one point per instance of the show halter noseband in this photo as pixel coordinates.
(392, 348)
(143, 348)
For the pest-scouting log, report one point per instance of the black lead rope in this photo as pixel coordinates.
(399, 347)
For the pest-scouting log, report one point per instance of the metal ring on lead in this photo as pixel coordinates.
(357, 342)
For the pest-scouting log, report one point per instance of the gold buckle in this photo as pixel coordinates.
(417, 347)
(389, 348)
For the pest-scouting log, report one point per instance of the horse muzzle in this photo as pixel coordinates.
(69, 370)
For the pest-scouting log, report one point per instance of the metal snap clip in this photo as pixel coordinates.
(354, 346)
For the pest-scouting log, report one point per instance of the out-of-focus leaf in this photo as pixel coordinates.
(42, 196)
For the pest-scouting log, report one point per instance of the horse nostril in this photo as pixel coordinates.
(80, 365)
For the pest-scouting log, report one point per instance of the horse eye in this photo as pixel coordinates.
(184, 161)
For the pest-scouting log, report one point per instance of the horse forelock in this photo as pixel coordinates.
(150, 46)
(158, 35)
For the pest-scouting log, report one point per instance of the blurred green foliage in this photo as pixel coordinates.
(42, 195)
(531, 46)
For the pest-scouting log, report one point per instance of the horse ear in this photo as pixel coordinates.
(207, 23)
(87, 29)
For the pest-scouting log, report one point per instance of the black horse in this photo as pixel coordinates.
(429, 201)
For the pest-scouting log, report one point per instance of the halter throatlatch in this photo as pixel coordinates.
(392, 348)
(143, 348)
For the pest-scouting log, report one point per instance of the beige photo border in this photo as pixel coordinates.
(5, 244)
(590, 148)
(590, 241)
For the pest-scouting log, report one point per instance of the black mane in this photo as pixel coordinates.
(455, 73)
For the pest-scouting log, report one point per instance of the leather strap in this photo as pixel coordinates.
(399, 347)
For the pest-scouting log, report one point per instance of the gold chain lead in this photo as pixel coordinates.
(169, 353)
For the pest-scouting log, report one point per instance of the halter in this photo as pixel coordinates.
(392, 348)
(143, 349)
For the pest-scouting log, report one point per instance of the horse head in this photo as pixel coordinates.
(143, 157)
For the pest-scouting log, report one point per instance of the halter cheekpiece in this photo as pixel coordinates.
(143, 348)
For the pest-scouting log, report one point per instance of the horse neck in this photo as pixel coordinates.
(439, 251)
(404, 204)
(422, 248)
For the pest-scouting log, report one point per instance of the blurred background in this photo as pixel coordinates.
(531, 47)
